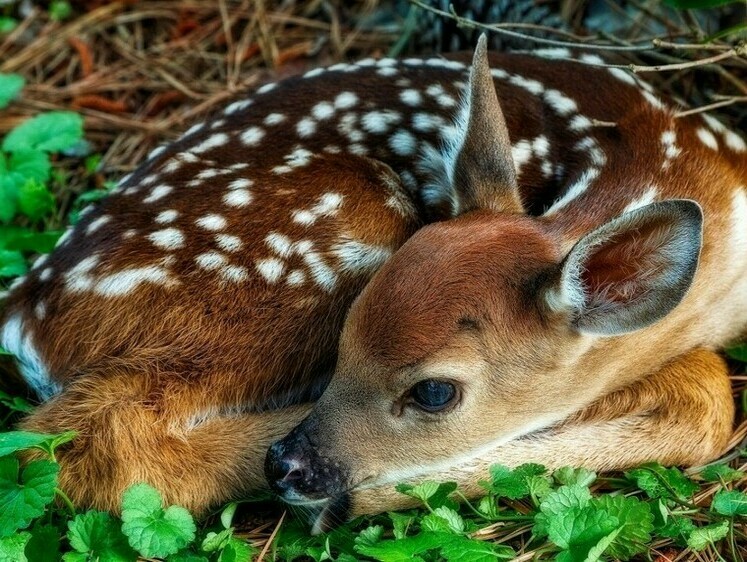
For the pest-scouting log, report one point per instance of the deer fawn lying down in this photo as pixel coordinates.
(566, 312)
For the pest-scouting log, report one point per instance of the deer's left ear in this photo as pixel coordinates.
(632, 271)
(476, 169)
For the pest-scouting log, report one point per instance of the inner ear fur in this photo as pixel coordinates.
(632, 271)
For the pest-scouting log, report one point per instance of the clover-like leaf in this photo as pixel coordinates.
(24, 495)
(700, 538)
(513, 483)
(635, 522)
(10, 86)
(13, 441)
(44, 545)
(463, 549)
(660, 482)
(730, 503)
(720, 472)
(431, 493)
(151, 530)
(567, 476)
(13, 549)
(49, 132)
(35, 200)
(97, 534)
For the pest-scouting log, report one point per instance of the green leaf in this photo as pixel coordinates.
(700, 538)
(237, 551)
(60, 10)
(226, 516)
(463, 549)
(678, 529)
(12, 549)
(12, 264)
(513, 484)
(401, 523)
(568, 476)
(24, 496)
(738, 352)
(74, 557)
(151, 530)
(403, 550)
(10, 86)
(720, 472)
(186, 556)
(97, 534)
(13, 441)
(35, 200)
(216, 541)
(37, 242)
(44, 545)
(443, 519)
(370, 535)
(50, 132)
(29, 164)
(635, 522)
(730, 503)
(7, 25)
(428, 492)
(579, 530)
(660, 482)
(15, 403)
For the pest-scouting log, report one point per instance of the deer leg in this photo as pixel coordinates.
(132, 431)
(681, 415)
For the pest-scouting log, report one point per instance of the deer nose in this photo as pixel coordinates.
(282, 470)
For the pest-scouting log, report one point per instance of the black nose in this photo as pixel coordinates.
(283, 471)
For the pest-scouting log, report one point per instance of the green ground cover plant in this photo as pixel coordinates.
(652, 513)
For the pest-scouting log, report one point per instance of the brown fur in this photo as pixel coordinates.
(185, 385)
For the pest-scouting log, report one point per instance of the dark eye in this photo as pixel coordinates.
(433, 395)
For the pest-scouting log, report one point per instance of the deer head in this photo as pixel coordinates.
(476, 330)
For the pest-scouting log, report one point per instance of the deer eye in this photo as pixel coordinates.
(433, 395)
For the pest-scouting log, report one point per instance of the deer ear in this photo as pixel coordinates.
(632, 271)
(476, 168)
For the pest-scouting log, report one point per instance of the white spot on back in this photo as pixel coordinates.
(124, 282)
(575, 190)
(707, 138)
(380, 121)
(280, 244)
(323, 110)
(158, 192)
(97, 223)
(734, 141)
(238, 198)
(274, 119)
(403, 143)
(345, 100)
(306, 127)
(562, 104)
(241, 183)
(411, 97)
(212, 222)
(252, 136)
(167, 239)
(648, 197)
(356, 256)
(228, 242)
(165, 217)
(213, 141)
(210, 260)
(271, 269)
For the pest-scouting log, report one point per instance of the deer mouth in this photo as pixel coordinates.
(325, 515)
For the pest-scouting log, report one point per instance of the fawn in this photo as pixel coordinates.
(562, 307)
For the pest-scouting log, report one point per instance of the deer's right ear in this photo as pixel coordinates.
(476, 169)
